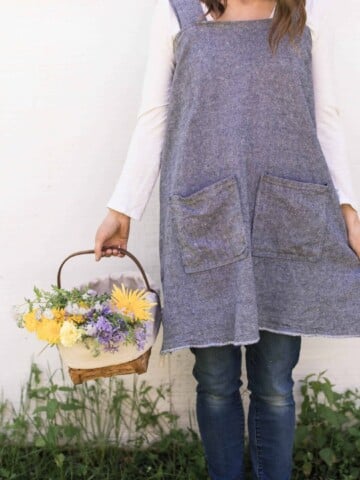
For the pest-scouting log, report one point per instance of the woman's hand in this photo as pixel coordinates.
(114, 230)
(352, 222)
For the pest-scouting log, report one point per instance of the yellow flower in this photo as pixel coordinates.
(49, 330)
(30, 321)
(59, 314)
(69, 334)
(132, 303)
(76, 318)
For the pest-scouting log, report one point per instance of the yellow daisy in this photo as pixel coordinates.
(30, 321)
(132, 303)
(59, 314)
(49, 330)
(76, 318)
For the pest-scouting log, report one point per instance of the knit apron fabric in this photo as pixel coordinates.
(252, 236)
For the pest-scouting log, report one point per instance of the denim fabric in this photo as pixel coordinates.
(271, 420)
(252, 236)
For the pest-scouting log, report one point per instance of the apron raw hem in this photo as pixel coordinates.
(296, 334)
(250, 342)
(236, 344)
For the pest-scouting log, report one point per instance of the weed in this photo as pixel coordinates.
(104, 430)
(327, 442)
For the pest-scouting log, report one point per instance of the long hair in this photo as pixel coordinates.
(289, 18)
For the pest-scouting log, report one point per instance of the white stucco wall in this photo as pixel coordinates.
(70, 83)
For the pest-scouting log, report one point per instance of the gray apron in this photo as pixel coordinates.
(251, 231)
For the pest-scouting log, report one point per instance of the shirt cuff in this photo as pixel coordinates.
(130, 211)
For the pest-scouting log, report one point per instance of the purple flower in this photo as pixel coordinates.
(108, 334)
(94, 313)
(110, 329)
(141, 335)
(149, 325)
(104, 329)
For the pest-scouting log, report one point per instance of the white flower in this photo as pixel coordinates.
(47, 313)
(83, 310)
(19, 310)
(89, 293)
(90, 330)
(72, 308)
(98, 306)
(38, 314)
(75, 308)
(68, 308)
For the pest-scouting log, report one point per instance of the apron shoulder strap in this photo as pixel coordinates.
(187, 11)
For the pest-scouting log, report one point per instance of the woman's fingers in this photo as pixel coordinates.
(122, 243)
(354, 239)
(352, 222)
(98, 248)
(114, 230)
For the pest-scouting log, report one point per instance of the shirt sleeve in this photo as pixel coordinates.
(328, 118)
(142, 164)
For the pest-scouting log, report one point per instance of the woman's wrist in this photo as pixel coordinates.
(118, 214)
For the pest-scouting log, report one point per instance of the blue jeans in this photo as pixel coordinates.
(271, 420)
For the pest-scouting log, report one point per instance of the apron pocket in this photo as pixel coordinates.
(289, 219)
(210, 226)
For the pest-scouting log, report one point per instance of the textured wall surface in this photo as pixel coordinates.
(70, 83)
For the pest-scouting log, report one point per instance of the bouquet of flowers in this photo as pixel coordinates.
(102, 328)
(100, 322)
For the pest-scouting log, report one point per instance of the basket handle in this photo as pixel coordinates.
(121, 250)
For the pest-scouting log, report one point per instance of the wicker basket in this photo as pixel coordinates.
(82, 365)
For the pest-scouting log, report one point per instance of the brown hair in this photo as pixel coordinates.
(289, 18)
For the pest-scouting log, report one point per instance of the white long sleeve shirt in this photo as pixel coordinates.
(142, 164)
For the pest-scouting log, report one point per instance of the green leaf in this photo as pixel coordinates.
(328, 393)
(40, 442)
(355, 432)
(301, 435)
(310, 456)
(332, 417)
(51, 408)
(307, 469)
(355, 472)
(59, 460)
(66, 389)
(52, 434)
(320, 438)
(70, 431)
(71, 406)
(328, 456)
(40, 409)
(4, 473)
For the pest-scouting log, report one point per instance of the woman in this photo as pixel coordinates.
(239, 117)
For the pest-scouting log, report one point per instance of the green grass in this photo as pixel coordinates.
(104, 430)
(74, 432)
(176, 456)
